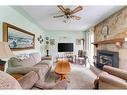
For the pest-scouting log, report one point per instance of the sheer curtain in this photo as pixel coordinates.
(89, 38)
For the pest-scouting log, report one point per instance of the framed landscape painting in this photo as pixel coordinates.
(17, 38)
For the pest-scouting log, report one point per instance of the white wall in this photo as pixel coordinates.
(64, 36)
(10, 15)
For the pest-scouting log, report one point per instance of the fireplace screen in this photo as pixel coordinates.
(107, 58)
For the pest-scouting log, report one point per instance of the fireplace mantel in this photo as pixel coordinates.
(118, 41)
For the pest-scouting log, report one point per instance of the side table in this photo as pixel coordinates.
(46, 58)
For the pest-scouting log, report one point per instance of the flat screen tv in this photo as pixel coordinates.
(65, 47)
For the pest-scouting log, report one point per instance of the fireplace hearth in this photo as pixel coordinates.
(107, 58)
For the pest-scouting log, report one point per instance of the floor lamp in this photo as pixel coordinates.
(5, 52)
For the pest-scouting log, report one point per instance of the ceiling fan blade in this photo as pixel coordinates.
(58, 16)
(61, 8)
(77, 9)
(75, 17)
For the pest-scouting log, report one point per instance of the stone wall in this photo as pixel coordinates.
(113, 27)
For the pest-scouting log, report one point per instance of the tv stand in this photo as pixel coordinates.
(66, 55)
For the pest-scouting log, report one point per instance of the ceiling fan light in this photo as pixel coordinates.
(65, 20)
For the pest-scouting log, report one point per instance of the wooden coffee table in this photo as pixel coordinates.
(62, 68)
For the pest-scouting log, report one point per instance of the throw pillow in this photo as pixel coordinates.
(28, 80)
(13, 62)
(27, 62)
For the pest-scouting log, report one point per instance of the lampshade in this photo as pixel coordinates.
(5, 51)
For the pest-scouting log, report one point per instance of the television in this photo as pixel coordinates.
(65, 47)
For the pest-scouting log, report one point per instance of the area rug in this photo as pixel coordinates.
(80, 78)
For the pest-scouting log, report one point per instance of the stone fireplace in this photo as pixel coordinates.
(109, 58)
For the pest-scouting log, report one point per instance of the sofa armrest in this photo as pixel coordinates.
(115, 71)
(107, 80)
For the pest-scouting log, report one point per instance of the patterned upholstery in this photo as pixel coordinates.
(8, 82)
(113, 78)
(28, 81)
(30, 64)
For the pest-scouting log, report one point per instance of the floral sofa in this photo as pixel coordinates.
(31, 63)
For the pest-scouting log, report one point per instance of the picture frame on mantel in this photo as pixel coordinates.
(18, 38)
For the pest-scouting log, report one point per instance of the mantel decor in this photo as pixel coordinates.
(105, 31)
(118, 42)
(18, 38)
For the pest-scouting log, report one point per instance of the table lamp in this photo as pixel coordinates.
(47, 48)
(5, 52)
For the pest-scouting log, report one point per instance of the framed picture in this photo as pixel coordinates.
(18, 38)
(78, 41)
(52, 41)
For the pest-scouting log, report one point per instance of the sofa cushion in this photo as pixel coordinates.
(36, 57)
(44, 85)
(61, 84)
(28, 80)
(8, 82)
(46, 62)
(14, 62)
(22, 56)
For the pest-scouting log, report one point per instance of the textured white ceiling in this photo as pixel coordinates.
(90, 16)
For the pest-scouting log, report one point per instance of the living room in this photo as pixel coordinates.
(58, 47)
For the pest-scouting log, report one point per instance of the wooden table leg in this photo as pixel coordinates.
(62, 77)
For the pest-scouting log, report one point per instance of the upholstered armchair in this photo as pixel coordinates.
(81, 57)
(112, 78)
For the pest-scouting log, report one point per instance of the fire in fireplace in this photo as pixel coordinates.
(107, 58)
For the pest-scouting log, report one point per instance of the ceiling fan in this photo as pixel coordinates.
(69, 13)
